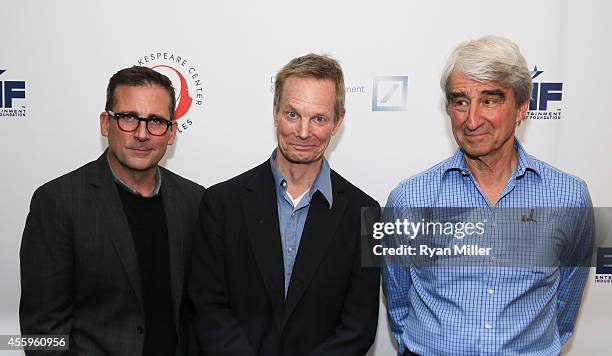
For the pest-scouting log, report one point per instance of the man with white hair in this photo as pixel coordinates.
(523, 305)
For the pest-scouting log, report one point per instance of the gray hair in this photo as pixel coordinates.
(490, 59)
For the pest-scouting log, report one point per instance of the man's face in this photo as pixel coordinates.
(138, 151)
(483, 115)
(305, 119)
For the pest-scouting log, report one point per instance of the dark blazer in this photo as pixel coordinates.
(79, 269)
(237, 284)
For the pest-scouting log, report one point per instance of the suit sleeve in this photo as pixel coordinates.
(357, 330)
(46, 260)
(218, 331)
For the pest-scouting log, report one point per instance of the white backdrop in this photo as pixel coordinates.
(65, 52)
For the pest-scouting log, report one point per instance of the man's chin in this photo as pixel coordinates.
(476, 152)
(475, 148)
(138, 165)
(302, 158)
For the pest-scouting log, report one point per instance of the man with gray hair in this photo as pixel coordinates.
(445, 307)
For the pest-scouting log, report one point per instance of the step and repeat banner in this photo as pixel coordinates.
(56, 58)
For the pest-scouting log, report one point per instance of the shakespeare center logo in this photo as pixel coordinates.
(545, 99)
(12, 96)
(187, 83)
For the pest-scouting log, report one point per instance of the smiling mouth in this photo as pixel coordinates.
(301, 147)
(475, 135)
(140, 149)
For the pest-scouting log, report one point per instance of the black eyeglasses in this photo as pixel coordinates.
(129, 122)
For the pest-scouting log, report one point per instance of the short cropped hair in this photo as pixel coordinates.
(139, 76)
(490, 59)
(313, 66)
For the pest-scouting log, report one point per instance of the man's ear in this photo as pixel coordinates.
(521, 112)
(275, 115)
(104, 123)
(172, 132)
(337, 124)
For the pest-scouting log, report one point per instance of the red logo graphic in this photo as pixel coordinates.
(184, 100)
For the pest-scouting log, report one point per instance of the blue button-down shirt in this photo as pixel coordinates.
(292, 218)
(507, 310)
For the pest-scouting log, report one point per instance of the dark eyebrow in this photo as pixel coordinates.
(127, 113)
(151, 116)
(457, 94)
(494, 92)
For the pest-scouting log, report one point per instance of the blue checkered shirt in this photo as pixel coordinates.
(465, 310)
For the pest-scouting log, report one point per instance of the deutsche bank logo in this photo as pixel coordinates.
(604, 260)
(390, 93)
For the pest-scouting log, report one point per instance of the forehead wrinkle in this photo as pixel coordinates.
(299, 107)
(129, 98)
(477, 92)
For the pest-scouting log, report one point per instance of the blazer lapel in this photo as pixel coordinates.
(319, 229)
(176, 235)
(261, 214)
(116, 225)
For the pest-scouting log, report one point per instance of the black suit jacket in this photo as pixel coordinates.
(237, 284)
(79, 268)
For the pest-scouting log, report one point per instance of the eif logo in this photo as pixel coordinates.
(11, 93)
(603, 272)
(390, 93)
(10, 90)
(542, 94)
(604, 260)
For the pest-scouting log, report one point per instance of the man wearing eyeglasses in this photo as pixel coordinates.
(106, 247)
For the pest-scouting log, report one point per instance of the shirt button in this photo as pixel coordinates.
(488, 326)
(292, 214)
(290, 249)
(490, 290)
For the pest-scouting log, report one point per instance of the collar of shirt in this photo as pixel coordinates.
(525, 162)
(322, 182)
(123, 184)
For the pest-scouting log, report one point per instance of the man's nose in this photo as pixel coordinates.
(304, 130)
(474, 117)
(141, 132)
